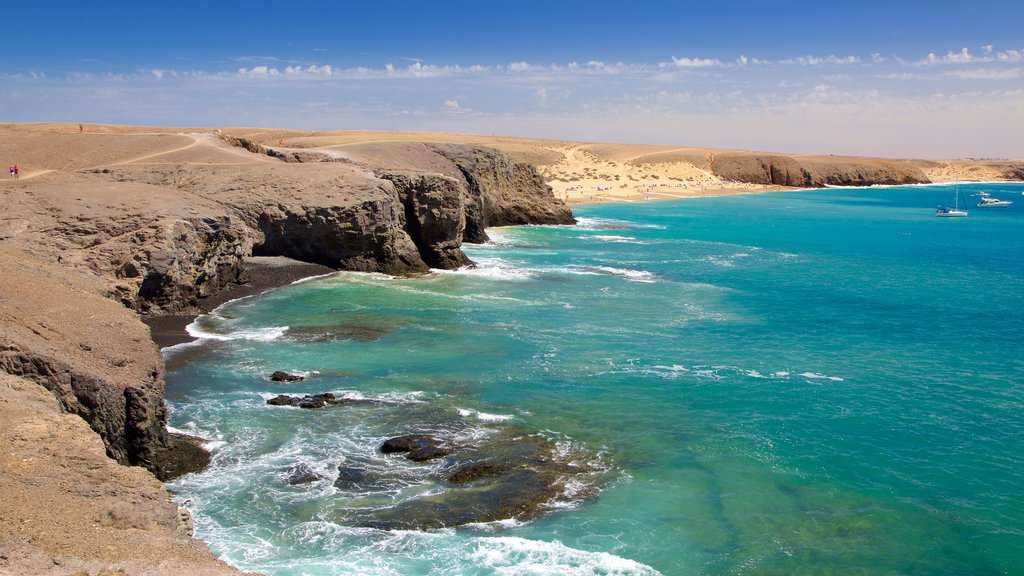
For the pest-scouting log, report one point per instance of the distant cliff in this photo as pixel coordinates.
(812, 172)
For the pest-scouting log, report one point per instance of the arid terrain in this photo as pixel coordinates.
(109, 225)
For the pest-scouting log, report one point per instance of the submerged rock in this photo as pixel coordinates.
(280, 376)
(301, 474)
(314, 401)
(505, 476)
(416, 447)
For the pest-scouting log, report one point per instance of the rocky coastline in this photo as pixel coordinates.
(86, 255)
(112, 242)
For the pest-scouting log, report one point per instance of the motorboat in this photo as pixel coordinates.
(987, 201)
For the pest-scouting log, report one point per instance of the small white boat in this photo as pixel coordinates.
(955, 212)
(947, 212)
(987, 201)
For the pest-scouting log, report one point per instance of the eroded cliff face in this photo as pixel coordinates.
(435, 215)
(157, 238)
(94, 356)
(812, 172)
(773, 170)
(500, 192)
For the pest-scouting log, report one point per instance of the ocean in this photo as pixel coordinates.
(817, 382)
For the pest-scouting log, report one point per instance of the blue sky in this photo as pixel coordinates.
(929, 79)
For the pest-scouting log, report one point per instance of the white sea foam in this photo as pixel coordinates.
(816, 376)
(512, 555)
(484, 416)
(196, 330)
(493, 268)
(586, 223)
(614, 239)
(631, 275)
(311, 278)
(168, 351)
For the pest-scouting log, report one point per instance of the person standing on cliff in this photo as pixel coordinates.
(16, 171)
(11, 168)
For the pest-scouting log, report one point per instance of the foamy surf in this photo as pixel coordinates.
(197, 330)
(631, 275)
(484, 416)
(514, 556)
(614, 239)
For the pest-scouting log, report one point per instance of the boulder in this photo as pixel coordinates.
(280, 376)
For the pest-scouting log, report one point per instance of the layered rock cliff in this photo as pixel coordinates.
(500, 192)
(159, 238)
(812, 171)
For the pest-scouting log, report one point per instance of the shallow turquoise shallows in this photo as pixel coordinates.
(820, 382)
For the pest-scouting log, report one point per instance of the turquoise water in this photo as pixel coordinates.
(824, 382)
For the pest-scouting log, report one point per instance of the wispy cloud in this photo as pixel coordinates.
(809, 103)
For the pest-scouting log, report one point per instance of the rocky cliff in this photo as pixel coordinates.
(159, 237)
(84, 250)
(812, 172)
(500, 192)
(94, 356)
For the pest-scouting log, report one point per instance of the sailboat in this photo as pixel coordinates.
(955, 212)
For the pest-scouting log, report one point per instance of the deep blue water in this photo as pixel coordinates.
(814, 382)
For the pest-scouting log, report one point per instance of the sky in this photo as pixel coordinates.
(901, 79)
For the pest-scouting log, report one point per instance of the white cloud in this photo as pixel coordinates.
(964, 56)
(986, 74)
(695, 62)
(819, 60)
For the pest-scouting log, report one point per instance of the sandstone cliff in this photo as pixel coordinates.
(812, 171)
(500, 192)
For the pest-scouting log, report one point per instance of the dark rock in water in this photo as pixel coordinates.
(477, 471)
(506, 476)
(280, 376)
(428, 453)
(416, 447)
(408, 443)
(301, 474)
(281, 400)
(357, 331)
(314, 401)
(351, 478)
(180, 455)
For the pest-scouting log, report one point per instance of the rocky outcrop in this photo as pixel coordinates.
(500, 192)
(66, 508)
(367, 237)
(95, 357)
(760, 169)
(435, 215)
(184, 261)
(507, 475)
(861, 172)
(811, 172)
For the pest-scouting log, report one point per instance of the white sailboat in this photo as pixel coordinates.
(955, 212)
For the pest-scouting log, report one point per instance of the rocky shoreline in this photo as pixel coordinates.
(86, 255)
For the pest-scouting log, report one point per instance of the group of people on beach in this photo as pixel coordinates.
(14, 171)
